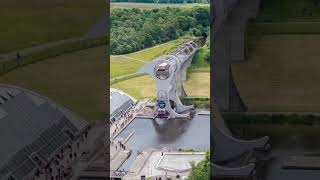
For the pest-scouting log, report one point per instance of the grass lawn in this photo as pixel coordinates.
(198, 84)
(121, 65)
(27, 23)
(289, 10)
(154, 5)
(159, 50)
(199, 60)
(74, 80)
(281, 74)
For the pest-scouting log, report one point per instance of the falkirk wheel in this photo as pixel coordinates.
(231, 157)
(170, 71)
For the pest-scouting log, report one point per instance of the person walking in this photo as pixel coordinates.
(18, 58)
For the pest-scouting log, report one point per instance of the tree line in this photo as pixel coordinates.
(201, 171)
(136, 29)
(163, 1)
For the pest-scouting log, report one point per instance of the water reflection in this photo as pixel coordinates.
(170, 130)
(169, 134)
(173, 133)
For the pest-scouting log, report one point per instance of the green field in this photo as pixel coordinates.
(154, 5)
(120, 65)
(282, 53)
(198, 84)
(289, 10)
(281, 74)
(33, 22)
(74, 80)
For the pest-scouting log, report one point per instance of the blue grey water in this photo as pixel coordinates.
(170, 134)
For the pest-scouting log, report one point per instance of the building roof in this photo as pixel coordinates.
(31, 125)
(119, 101)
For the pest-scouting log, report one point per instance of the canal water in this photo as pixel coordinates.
(169, 134)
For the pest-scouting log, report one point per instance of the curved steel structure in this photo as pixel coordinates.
(169, 72)
(228, 25)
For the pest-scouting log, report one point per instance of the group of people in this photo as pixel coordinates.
(122, 146)
(122, 120)
(167, 178)
(119, 144)
(60, 166)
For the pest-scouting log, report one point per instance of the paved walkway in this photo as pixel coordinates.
(91, 146)
(125, 56)
(118, 154)
(117, 127)
(146, 163)
(139, 163)
(123, 76)
(99, 29)
(35, 49)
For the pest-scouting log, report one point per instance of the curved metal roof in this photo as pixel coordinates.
(118, 99)
(31, 125)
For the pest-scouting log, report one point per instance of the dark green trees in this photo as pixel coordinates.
(201, 171)
(163, 1)
(135, 29)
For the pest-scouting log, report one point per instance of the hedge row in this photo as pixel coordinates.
(287, 27)
(194, 98)
(6, 66)
(194, 69)
(198, 102)
(276, 119)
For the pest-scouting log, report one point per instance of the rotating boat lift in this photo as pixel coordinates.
(227, 37)
(170, 71)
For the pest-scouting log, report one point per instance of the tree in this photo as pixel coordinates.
(134, 29)
(201, 171)
(202, 16)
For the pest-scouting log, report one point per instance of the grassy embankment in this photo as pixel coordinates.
(74, 80)
(282, 68)
(201, 60)
(122, 65)
(198, 83)
(33, 22)
(70, 74)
